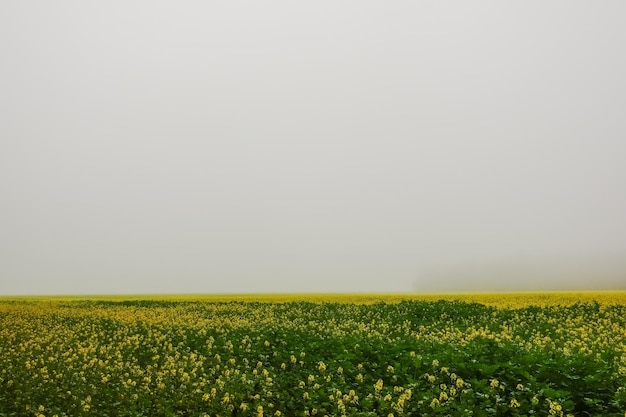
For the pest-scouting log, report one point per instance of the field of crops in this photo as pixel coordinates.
(466, 355)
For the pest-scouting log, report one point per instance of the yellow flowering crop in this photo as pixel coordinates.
(511, 354)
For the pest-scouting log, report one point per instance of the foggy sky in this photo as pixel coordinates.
(162, 146)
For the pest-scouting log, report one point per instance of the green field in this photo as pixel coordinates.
(324, 356)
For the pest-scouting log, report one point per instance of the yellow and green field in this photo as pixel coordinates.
(517, 354)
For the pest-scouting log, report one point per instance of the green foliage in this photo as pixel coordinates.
(162, 358)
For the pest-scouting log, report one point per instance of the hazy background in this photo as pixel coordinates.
(279, 146)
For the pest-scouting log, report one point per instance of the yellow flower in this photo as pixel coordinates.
(378, 386)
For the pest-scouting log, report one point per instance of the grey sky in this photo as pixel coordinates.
(162, 146)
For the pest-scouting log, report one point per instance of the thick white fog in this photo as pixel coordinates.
(162, 146)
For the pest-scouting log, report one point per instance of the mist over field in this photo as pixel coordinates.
(534, 274)
(167, 147)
